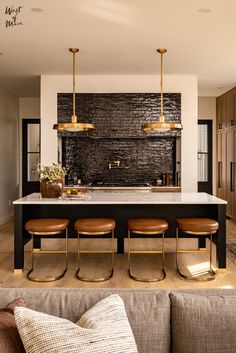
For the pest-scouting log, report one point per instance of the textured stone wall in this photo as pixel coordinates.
(118, 136)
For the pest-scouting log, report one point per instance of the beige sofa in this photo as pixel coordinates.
(162, 321)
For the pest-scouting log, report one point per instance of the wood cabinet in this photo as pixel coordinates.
(226, 149)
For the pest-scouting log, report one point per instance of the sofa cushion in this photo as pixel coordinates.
(10, 341)
(205, 324)
(103, 329)
(148, 310)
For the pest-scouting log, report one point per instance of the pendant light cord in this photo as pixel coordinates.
(161, 84)
(74, 84)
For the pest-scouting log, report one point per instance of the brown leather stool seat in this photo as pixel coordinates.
(43, 227)
(95, 226)
(198, 226)
(146, 226)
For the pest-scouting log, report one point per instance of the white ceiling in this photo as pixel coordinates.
(119, 37)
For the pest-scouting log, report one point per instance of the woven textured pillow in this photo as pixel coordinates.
(10, 341)
(102, 329)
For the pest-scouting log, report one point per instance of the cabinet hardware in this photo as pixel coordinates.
(232, 176)
(219, 174)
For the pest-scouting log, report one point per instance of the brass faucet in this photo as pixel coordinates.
(115, 164)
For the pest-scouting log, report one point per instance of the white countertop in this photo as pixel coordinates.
(127, 198)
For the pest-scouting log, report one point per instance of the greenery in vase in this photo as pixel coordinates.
(54, 172)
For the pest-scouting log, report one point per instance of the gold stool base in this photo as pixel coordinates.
(112, 252)
(92, 279)
(38, 251)
(211, 275)
(198, 278)
(139, 279)
(45, 279)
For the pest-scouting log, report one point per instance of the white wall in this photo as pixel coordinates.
(186, 85)
(9, 153)
(29, 107)
(207, 110)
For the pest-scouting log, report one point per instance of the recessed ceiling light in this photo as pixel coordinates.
(204, 10)
(36, 9)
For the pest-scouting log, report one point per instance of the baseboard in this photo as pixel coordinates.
(6, 218)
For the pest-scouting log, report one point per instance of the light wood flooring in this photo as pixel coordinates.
(145, 264)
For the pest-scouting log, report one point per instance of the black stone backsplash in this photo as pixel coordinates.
(141, 160)
(118, 136)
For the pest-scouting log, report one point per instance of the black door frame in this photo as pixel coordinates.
(27, 186)
(202, 185)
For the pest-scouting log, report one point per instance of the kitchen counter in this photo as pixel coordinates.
(121, 206)
(127, 198)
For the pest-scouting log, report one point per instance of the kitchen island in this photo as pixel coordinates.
(121, 206)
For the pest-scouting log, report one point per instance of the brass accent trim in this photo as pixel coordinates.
(147, 232)
(95, 233)
(75, 126)
(140, 279)
(38, 251)
(112, 252)
(46, 233)
(198, 276)
(155, 126)
(197, 233)
(18, 271)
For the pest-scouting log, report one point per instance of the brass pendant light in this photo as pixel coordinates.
(161, 125)
(73, 126)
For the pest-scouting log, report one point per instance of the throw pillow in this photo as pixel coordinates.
(205, 324)
(102, 329)
(10, 341)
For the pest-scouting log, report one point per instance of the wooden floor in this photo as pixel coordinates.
(99, 264)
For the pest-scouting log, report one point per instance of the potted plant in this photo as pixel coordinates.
(51, 180)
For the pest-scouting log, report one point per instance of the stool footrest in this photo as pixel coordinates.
(146, 252)
(38, 251)
(95, 252)
(201, 251)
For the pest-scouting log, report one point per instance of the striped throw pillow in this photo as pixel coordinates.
(102, 329)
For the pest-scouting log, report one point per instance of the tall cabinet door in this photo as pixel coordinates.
(221, 165)
(230, 167)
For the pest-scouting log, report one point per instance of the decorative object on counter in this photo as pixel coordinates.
(51, 180)
(167, 179)
(73, 126)
(76, 194)
(161, 125)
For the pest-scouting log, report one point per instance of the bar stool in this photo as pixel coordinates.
(95, 226)
(200, 227)
(146, 226)
(43, 227)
